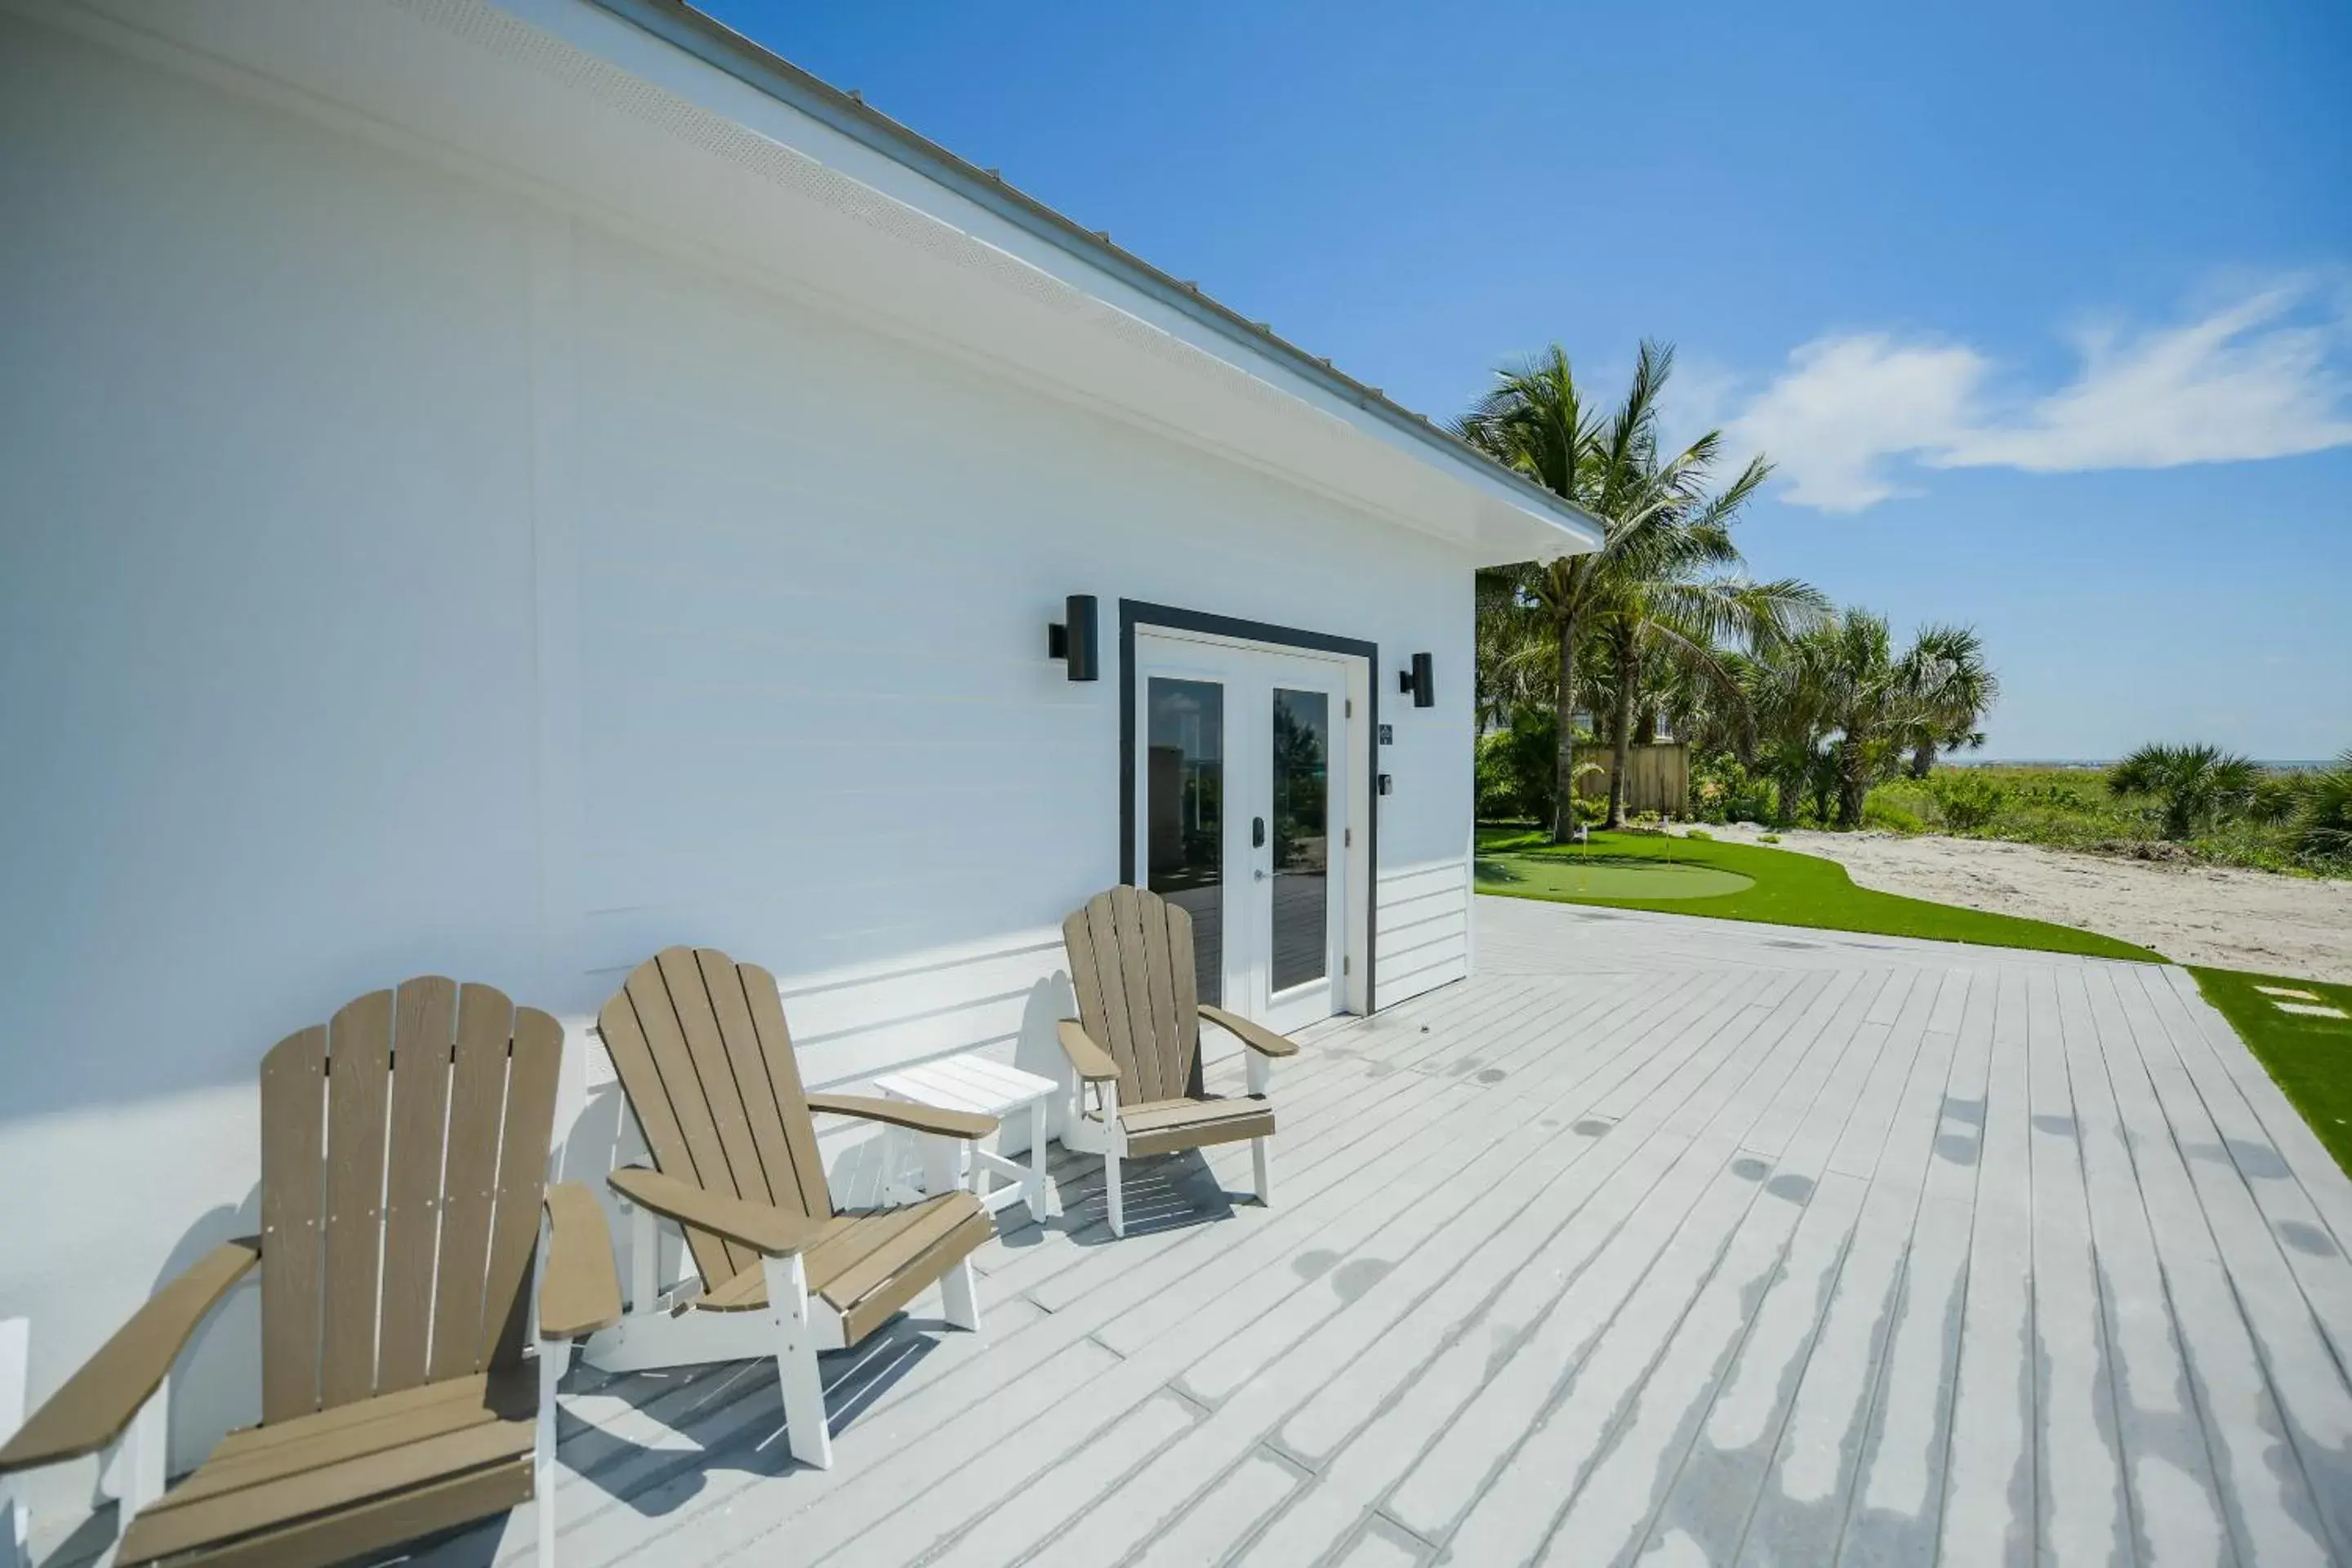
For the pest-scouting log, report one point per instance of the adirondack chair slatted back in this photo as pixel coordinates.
(403, 1160)
(700, 1045)
(1132, 964)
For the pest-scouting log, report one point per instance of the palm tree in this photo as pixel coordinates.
(2322, 825)
(1669, 619)
(1788, 694)
(1845, 677)
(1875, 700)
(1515, 665)
(2191, 784)
(1663, 535)
(1958, 689)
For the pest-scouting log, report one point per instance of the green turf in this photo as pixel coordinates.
(1787, 888)
(1619, 879)
(2310, 1058)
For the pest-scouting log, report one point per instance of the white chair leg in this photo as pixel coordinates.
(139, 1454)
(554, 1359)
(1260, 1073)
(134, 1469)
(645, 1259)
(959, 1297)
(1111, 1194)
(943, 1166)
(805, 1419)
(1035, 1185)
(16, 1362)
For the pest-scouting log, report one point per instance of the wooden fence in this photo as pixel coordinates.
(1657, 778)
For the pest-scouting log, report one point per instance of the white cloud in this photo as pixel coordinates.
(1846, 404)
(2262, 376)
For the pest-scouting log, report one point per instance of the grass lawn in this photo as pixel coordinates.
(1681, 876)
(2309, 1058)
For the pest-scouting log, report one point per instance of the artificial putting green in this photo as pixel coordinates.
(1616, 877)
(1783, 887)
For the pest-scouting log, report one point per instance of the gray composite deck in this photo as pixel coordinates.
(1727, 1244)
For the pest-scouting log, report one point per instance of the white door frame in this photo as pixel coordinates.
(1255, 658)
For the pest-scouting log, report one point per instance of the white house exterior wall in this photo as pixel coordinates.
(401, 575)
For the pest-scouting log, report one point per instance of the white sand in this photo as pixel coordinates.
(2194, 914)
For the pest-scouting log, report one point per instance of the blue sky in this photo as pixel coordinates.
(2044, 311)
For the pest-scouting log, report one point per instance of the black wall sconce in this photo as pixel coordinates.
(1074, 638)
(1418, 682)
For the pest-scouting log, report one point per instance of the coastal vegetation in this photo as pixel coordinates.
(2287, 820)
(1797, 712)
(1663, 597)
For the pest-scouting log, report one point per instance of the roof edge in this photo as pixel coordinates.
(721, 47)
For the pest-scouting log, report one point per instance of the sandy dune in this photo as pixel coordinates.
(2195, 914)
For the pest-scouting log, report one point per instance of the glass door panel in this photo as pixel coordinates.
(1185, 813)
(1302, 846)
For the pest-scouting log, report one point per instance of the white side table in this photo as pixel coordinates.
(972, 1083)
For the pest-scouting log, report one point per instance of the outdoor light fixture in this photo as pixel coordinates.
(1073, 638)
(1418, 682)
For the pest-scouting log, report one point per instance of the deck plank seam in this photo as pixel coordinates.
(1690, 1143)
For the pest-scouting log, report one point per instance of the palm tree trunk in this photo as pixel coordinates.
(1922, 759)
(1621, 737)
(1563, 807)
(1854, 785)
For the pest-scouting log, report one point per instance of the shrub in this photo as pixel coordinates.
(1517, 769)
(1912, 797)
(1498, 793)
(1768, 839)
(2322, 823)
(1701, 834)
(1968, 800)
(2277, 797)
(2191, 787)
(1881, 813)
(1724, 790)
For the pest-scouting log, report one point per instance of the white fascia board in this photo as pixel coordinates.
(1515, 517)
(1501, 518)
(574, 104)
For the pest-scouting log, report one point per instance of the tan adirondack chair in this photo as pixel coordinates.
(700, 1046)
(1135, 1045)
(403, 1166)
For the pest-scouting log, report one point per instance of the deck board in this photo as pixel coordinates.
(1690, 1241)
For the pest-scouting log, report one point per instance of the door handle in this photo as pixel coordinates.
(1257, 876)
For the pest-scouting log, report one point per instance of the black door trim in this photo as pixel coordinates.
(1134, 613)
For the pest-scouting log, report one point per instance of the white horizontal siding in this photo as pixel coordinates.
(511, 599)
(1423, 939)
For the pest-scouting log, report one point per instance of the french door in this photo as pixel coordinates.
(1242, 818)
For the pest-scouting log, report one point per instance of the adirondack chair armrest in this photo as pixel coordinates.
(580, 1291)
(101, 1399)
(1093, 1063)
(1262, 1040)
(904, 1113)
(765, 1229)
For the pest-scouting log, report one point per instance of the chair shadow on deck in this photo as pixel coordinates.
(1164, 1192)
(651, 1442)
